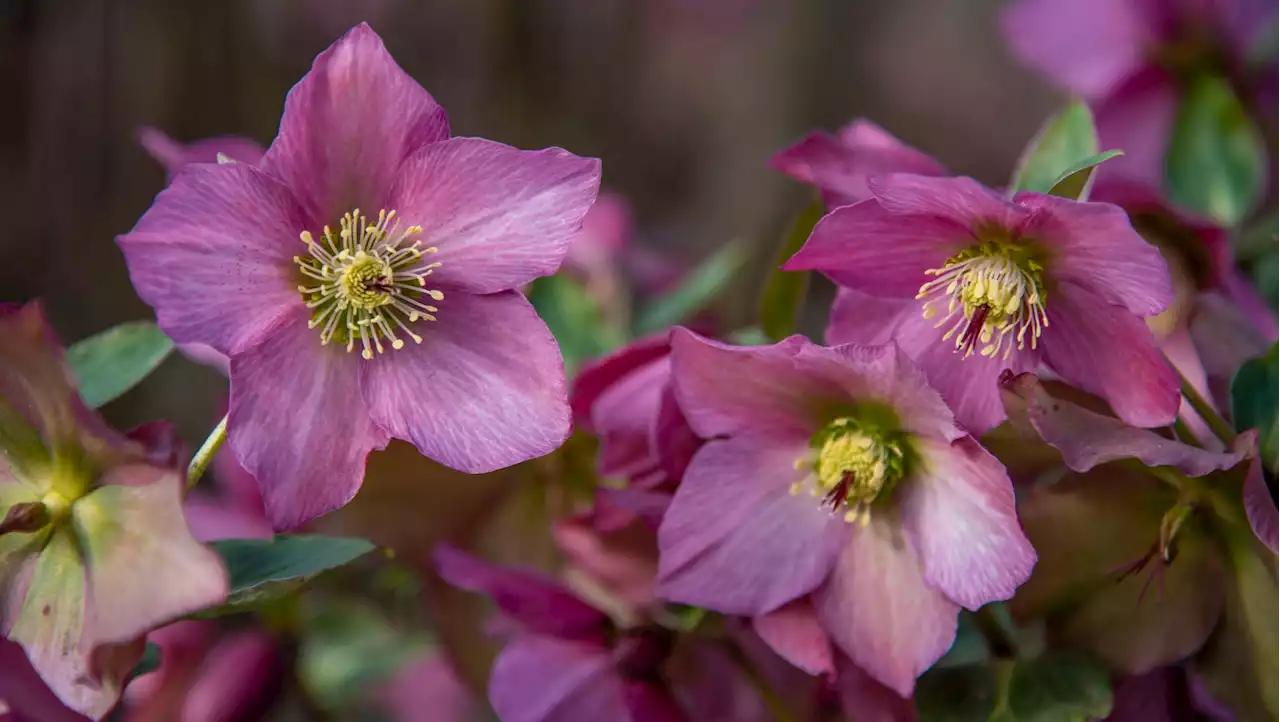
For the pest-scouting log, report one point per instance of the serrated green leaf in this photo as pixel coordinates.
(264, 569)
(1216, 163)
(1253, 398)
(112, 362)
(574, 319)
(696, 292)
(784, 291)
(1063, 142)
(1076, 182)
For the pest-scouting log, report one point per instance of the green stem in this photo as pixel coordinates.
(1184, 433)
(999, 641)
(200, 462)
(1217, 424)
(777, 707)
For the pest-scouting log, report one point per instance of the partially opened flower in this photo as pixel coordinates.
(94, 550)
(362, 280)
(999, 284)
(836, 472)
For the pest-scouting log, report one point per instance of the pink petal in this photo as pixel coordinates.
(959, 512)
(600, 375)
(500, 216)
(237, 676)
(1087, 46)
(1179, 349)
(623, 416)
(1260, 506)
(1108, 351)
(174, 155)
(426, 690)
(867, 247)
(862, 318)
(735, 539)
(869, 701)
(1157, 696)
(483, 391)
(794, 633)
(543, 679)
(212, 519)
(960, 200)
(299, 424)
(213, 256)
(651, 701)
(671, 437)
(206, 355)
(1087, 439)
(1093, 246)
(347, 127)
(880, 612)
(132, 523)
(1224, 339)
(538, 603)
(622, 559)
(1138, 118)
(24, 693)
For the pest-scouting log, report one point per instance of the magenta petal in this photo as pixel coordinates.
(174, 155)
(671, 437)
(1260, 506)
(538, 603)
(1087, 46)
(862, 318)
(298, 423)
(1138, 118)
(1087, 439)
(426, 690)
(959, 512)
(483, 391)
(651, 701)
(867, 247)
(1108, 351)
(348, 125)
(212, 519)
(794, 633)
(543, 679)
(1094, 247)
(878, 609)
(866, 700)
(623, 417)
(735, 539)
(960, 200)
(600, 375)
(213, 256)
(500, 216)
(24, 695)
(233, 678)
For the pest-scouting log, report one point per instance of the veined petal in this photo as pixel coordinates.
(960, 200)
(597, 377)
(1260, 506)
(483, 391)
(869, 701)
(132, 530)
(793, 631)
(299, 424)
(1108, 351)
(348, 125)
(878, 609)
(499, 216)
(735, 539)
(959, 512)
(213, 255)
(544, 679)
(624, 415)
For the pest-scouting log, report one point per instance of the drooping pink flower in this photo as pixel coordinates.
(173, 155)
(399, 320)
(627, 400)
(94, 551)
(1130, 59)
(999, 284)
(836, 472)
(839, 165)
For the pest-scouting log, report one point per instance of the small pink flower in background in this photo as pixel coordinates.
(1129, 57)
(837, 473)
(94, 551)
(362, 280)
(999, 284)
(839, 165)
(626, 399)
(173, 155)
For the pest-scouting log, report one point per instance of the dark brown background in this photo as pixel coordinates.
(683, 99)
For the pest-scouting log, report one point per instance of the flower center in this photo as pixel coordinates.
(994, 294)
(366, 282)
(852, 466)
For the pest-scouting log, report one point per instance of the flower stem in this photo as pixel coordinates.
(200, 462)
(999, 641)
(1184, 434)
(777, 707)
(1216, 423)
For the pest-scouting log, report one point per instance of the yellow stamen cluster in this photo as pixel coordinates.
(850, 467)
(366, 281)
(994, 294)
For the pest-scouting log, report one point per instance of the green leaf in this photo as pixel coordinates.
(1064, 142)
(696, 292)
(264, 569)
(348, 648)
(574, 319)
(956, 694)
(1076, 182)
(784, 291)
(1066, 686)
(149, 663)
(114, 361)
(1253, 398)
(1216, 160)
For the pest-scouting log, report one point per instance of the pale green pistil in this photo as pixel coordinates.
(852, 466)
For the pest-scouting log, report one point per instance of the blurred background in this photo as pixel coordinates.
(684, 100)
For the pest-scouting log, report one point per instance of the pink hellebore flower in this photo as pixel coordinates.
(836, 472)
(94, 551)
(399, 320)
(626, 399)
(999, 284)
(1130, 58)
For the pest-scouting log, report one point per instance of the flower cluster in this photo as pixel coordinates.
(1026, 474)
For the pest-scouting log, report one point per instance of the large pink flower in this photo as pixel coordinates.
(836, 472)
(970, 283)
(396, 314)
